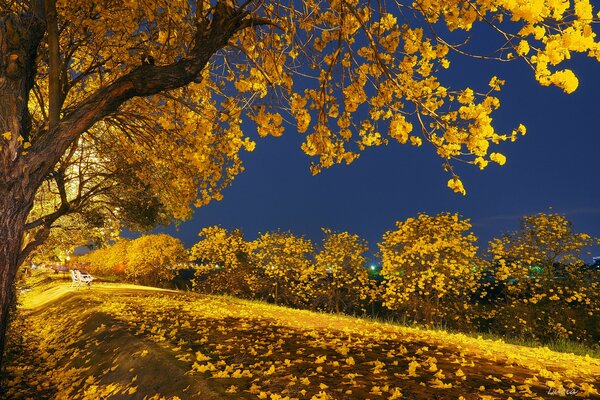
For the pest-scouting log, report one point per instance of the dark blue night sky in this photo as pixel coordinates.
(554, 168)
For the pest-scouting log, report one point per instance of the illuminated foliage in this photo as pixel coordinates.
(149, 260)
(350, 74)
(72, 231)
(543, 288)
(544, 241)
(160, 89)
(224, 263)
(536, 285)
(431, 269)
(154, 259)
(73, 208)
(107, 261)
(284, 261)
(341, 281)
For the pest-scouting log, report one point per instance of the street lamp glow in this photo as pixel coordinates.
(372, 268)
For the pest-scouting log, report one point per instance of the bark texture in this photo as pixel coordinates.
(20, 35)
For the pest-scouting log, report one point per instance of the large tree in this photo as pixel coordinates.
(154, 92)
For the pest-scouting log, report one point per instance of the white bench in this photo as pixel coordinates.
(78, 277)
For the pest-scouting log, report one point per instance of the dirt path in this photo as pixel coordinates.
(54, 293)
(72, 350)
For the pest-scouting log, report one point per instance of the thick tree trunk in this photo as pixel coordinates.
(19, 38)
(15, 198)
(12, 219)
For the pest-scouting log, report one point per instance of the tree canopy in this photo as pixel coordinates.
(341, 277)
(142, 102)
(284, 260)
(431, 263)
(541, 266)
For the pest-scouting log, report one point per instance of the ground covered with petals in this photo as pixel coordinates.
(122, 342)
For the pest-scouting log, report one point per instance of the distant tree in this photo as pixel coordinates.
(154, 259)
(284, 260)
(219, 247)
(341, 278)
(117, 258)
(109, 260)
(73, 232)
(547, 292)
(431, 269)
(544, 245)
(224, 263)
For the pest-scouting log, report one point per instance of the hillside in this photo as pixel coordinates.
(131, 342)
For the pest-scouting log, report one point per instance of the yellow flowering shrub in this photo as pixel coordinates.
(111, 260)
(154, 259)
(224, 264)
(535, 284)
(542, 288)
(341, 282)
(149, 260)
(284, 261)
(430, 269)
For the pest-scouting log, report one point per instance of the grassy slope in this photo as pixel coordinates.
(125, 342)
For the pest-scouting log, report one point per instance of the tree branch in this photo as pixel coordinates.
(54, 89)
(39, 238)
(145, 80)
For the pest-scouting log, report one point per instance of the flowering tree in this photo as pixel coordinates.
(154, 259)
(341, 278)
(225, 265)
(110, 260)
(545, 290)
(430, 268)
(150, 259)
(284, 260)
(154, 92)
